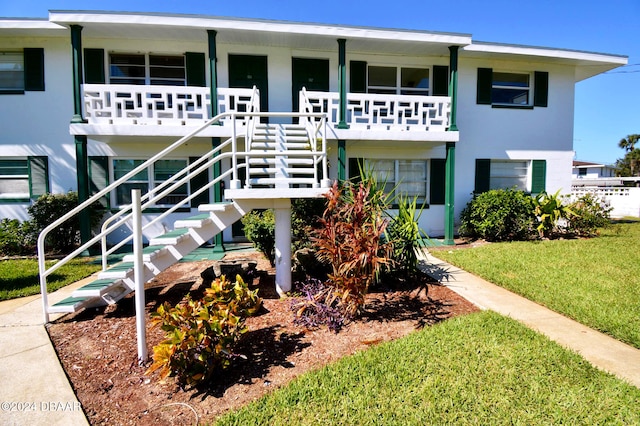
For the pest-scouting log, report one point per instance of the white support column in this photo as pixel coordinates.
(282, 210)
(138, 268)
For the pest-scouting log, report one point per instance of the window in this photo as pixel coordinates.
(408, 177)
(23, 178)
(394, 80)
(582, 172)
(167, 70)
(11, 71)
(21, 71)
(512, 89)
(509, 174)
(525, 175)
(147, 179)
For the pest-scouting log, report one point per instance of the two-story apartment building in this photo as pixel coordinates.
(85, 97)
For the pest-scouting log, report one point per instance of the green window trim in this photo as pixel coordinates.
(540, 90)
(357, 77)
(94, 70)
(34, 69)
(485, 80)
(195, 69)
(538, 176)
(99, 178)
(440, 80)
(38, 180)
(437, 181)
(198, 181)
(483, 175)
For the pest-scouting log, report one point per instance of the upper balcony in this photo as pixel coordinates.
(142, 110)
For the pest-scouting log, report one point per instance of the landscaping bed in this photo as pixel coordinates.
(97, 347)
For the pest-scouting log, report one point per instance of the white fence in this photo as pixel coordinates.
(159, 105)
(625, 201)
(382, 112)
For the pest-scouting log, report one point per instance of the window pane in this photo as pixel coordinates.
(122, 167)
(415, 78)
(167, 70)
(510, 96)
(382, 76)
(123, 192)
(510, 79)
(162, 171)
(14, 167)
(14, 178)
(507, 174)
(127, 69)
(11, 71)
(412, 177)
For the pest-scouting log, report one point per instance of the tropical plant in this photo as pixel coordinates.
(316, 306)
(16, 238)
(259, 228)
(629, 143)
(350, 240)
(406, 235)
(201, 334)
(591, 214)
(550, 209)
(499, 215)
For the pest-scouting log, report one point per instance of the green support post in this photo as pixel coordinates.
(82, 159)
(450, 164)
(213, 72)
(342, 160)
(342, 83)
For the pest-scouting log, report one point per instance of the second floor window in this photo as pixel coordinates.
(166, 70)
(11, 71)
(510, 89)
(400, 81)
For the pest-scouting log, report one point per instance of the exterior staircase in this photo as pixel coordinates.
(279, 161)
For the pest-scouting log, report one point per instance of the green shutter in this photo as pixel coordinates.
(197, 182)
(483, 175)
(437, 180)
(38, 176)
(538, 176)
(196, 74)
(34, 69)
(94, 66)
(354, 168)
(357, 77)
(485, 81)
(440, 80)
(99, 178)
(540, 88)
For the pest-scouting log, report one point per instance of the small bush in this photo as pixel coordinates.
(50, 207)
(591, 214)
(201, 334)
(317, 306)
(16, 238)
(499, 215)
(259, 228)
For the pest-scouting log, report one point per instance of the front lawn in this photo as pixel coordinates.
(594, 281)
(476, 369)
(20, 278)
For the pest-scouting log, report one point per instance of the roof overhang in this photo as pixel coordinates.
(259, 32)
(18, 27)
(587, 64)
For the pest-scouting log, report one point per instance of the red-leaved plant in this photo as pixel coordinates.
(350, 240)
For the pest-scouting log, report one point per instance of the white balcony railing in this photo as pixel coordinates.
(160, 105)
(382, 112)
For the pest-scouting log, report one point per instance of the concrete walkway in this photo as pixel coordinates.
(35, 389)
(602, 351)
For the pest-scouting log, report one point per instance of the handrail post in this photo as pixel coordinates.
(138, 266)
(43, 287)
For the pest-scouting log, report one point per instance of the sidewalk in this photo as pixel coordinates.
(602, 351)
(35, 389)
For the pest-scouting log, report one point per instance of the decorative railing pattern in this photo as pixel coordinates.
(382, 112)
(160, 105)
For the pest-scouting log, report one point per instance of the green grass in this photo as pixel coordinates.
(594, 281)
(20, 278)
(476, 369)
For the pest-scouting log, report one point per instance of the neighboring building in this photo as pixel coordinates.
(438, 114)
(587, 170)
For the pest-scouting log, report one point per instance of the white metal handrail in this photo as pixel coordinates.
(198, 166)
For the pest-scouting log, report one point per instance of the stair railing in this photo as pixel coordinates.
(44, 271)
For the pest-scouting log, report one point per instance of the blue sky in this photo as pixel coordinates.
(607, 106)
